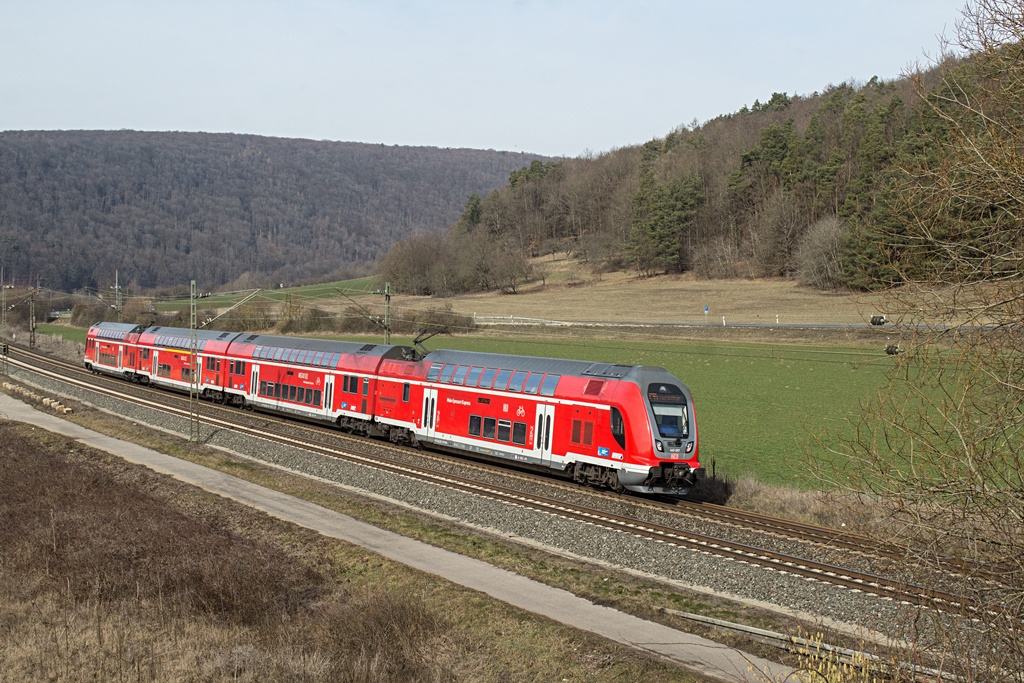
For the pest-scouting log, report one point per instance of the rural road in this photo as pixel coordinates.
(688, 651)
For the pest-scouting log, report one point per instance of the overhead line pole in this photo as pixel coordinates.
(193, 388)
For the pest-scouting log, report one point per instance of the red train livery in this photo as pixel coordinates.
(620, 426)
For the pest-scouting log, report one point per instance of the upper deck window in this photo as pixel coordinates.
(533, 383)
(446, 374)
(516, 384)
(473, 377)
(487, 378)
(549, 384)
(434, 371)
(502, 379)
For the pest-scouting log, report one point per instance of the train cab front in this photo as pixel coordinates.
(675, 468)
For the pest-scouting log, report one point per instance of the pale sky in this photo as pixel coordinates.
(553, 77)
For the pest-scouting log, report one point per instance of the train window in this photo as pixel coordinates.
(618, 428)
(460, 374)
(240, 366)
(366, 388)
(405, 392)
(473, 376)
(487, 378)
(533, 383)
(344, 383)
(263, 388)
(434, 371)
(671, 420)
(474, 425)
(317, 357)
(504, 430)
(300, 395)
(547, 388)
(516, 384)
(502, 379)
(301, 359)
(446, 374)
(293, 355)
(279, 352)
(489, 424)
(593, 387)
(519, 433)
(582, 432)
(316, 397)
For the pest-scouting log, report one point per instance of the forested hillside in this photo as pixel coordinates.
(166, 208)
(788, 187)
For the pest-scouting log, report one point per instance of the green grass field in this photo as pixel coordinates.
(312, 293)
(757, 405)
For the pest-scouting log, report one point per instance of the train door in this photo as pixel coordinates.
(120, 357)
(545, 424)
(329, 393)
(429, 411)
(254, 384)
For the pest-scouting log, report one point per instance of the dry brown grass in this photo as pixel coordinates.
(109, 572)
(811, 507)
(572, 293)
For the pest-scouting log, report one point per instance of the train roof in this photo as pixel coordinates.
(557, 366)
(333, 346)
(180, 337)
(110, 330)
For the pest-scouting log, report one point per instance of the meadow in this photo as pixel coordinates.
(757, 405)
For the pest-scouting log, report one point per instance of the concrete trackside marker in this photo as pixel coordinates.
(692, 652)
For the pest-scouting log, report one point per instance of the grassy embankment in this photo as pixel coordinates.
(111, 572)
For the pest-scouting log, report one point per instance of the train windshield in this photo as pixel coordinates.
(670, 410)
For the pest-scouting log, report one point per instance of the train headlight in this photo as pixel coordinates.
(659, 446)
(689, 447)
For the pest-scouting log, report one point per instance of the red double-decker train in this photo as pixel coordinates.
(624, 427)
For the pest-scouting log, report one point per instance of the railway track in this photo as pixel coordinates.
(363, 455)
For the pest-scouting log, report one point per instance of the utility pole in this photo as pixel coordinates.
(117, 297)
(387, 312)
(32, 320)
(3, 323)
(193, 390)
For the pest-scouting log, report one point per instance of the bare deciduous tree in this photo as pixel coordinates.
(941, 449)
